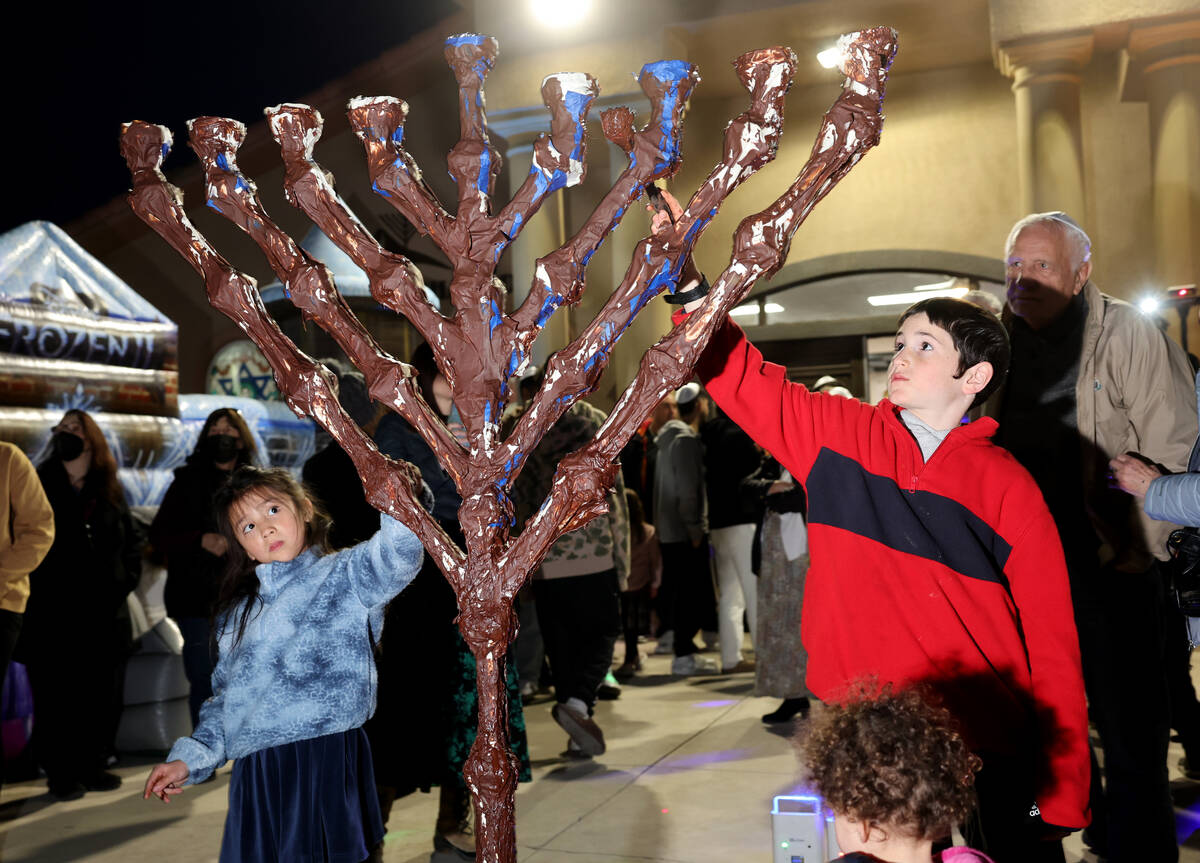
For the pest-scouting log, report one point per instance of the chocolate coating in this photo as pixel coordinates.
(481, 347)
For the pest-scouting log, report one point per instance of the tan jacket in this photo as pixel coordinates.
(1135, 392)
(26, 526)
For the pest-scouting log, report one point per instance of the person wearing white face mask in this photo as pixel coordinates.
(184, 531)
(76, 633)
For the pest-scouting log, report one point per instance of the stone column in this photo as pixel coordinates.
(1163, 68)
(1047, 74)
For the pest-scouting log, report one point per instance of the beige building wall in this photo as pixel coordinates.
(946, 178)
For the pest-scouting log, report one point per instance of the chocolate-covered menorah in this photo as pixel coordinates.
(481, 347)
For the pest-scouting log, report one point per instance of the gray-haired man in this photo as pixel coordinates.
(1091, 378)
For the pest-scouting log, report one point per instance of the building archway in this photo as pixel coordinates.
(835, 315)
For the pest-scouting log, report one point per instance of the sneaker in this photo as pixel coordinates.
(574, 753)
(528, 690)
(742, 665)
(627, 670)
(609, 689)
(693, 663)
(583, 731)
(666, 644)
(451, 845)
(102, 780)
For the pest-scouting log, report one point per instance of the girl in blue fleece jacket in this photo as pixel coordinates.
(295, 677)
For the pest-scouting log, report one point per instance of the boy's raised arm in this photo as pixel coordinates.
(782, 416)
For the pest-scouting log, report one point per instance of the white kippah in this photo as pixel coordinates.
(687, 394)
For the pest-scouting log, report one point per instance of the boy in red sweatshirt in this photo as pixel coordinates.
(934, 561)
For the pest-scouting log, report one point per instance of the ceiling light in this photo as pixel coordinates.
(1149, 305)
(560, 14)
(748, 309)
(910, 297)
(937, 286)
(830, 58)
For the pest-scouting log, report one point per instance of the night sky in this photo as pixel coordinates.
(87, 67)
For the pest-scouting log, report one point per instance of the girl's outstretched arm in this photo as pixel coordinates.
(384, 565)
(204, 751)
(165, 780)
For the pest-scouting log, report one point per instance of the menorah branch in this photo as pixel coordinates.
(395, 282)
(654, 152)
(308, 387)
(309, 284)
(378, 121)
(473, 162)
(559, 159)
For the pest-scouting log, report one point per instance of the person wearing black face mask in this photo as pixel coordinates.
(185, 532)
(222, 448)
(66, 446)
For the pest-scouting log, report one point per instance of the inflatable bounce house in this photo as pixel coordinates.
(73, 335)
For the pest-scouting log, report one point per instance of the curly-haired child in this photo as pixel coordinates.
(896, 775)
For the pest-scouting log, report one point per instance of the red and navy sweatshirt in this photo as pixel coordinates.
(947, 573)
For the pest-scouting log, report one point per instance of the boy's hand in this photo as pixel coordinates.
(165, 780)
(662, 222)
(1133, 473)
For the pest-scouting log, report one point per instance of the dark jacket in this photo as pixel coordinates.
(77, 594)
(396, 438)
(729, 457)
(754, 497)
(680, 504)
(332, 477)
(186, 514)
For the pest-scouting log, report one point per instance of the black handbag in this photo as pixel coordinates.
(1183, 569)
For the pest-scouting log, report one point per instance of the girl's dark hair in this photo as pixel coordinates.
(239, 595)
(891, 759)
(103, 472)
(977, 334)
(637, 516)
(248, 454)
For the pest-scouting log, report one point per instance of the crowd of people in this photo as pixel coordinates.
(963, 574)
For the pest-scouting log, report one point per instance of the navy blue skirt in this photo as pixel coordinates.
(306, 802)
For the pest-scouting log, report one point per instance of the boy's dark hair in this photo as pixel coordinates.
(977, 334)
(892, 760)
(240, 584)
